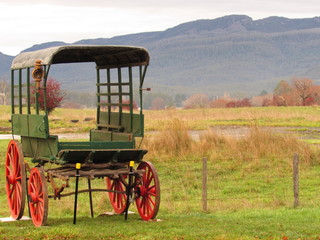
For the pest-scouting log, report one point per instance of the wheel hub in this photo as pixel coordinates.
(34, 198)
(12, 179)
(143, 191)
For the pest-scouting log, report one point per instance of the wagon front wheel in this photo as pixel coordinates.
(118, 200)
(15, 179)
(38, 196)
(147, 191)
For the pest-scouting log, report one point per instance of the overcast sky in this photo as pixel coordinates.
(24, 23)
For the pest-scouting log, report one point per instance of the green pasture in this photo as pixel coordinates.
(247, 199)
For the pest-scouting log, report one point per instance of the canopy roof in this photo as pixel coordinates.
(103, 56)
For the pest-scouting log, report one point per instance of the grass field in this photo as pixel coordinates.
(197, 119)
(249, 183)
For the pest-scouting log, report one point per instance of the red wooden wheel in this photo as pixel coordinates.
(118, 200)
(38, 197)
(147, 191)
(15, 179)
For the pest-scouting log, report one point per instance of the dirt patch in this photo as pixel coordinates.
(242, 131)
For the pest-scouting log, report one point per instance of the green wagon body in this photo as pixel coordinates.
(115, 129)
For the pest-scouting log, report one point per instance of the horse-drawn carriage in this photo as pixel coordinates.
(111, 151)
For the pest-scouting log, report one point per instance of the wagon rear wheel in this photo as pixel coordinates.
(15, 179)
(147, 191)
(38, 196)
(117, 200)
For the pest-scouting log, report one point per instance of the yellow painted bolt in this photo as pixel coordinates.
(131, 164)
(78, 165)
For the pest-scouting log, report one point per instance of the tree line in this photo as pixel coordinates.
(297, 92)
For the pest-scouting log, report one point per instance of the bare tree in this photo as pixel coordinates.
(196, 101)
(305, 90)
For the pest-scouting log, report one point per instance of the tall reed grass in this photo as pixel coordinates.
(174, 141)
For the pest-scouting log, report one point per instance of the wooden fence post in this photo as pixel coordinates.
(204, 184)
(295, 171)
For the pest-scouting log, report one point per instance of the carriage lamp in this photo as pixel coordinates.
(37, 74)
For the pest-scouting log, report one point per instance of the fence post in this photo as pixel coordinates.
(204, 184)
(295, 170)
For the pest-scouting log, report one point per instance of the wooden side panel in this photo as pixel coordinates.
(30, 125)
(39, 147)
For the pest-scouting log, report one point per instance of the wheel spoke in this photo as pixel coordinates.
(151, 201)
(117, 199)
(32, 186)
(148, 207)
(148, 171)
(152, 190)
(141, 203)
(9, 170)
(148, 181)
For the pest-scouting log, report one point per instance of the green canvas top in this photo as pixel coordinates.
(103, 56)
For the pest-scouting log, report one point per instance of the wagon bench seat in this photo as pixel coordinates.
(77, 153)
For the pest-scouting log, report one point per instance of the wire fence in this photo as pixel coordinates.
(213, 184)
(225, 183)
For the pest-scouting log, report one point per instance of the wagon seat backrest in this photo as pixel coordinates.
(109, 129)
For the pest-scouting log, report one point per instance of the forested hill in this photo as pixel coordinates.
(5, 63)
(228, 54)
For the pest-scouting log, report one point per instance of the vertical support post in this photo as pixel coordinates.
(37, 103)
(120, 96)
(12, 91)
(131, 164)
(204, 184)
(296, 180)
(28, 91)
(20, 91)
(131, 98)
(78, 166)
(140, 88)
(109, 95)
(98, 96)
(90, 197)
(44, 90)
(141, 104)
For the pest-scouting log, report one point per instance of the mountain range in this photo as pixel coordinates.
(233, 54)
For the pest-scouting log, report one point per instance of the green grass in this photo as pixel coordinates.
(249, 191)
(248, 201)
(312, 141)
(249, 224)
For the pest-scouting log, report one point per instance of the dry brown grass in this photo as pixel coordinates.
(263, 116)
(174, 141)
(249, 113)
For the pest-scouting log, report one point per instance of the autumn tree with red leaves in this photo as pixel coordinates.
(126, 101)
(54, 96)
(245, 102)
(301, 92)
